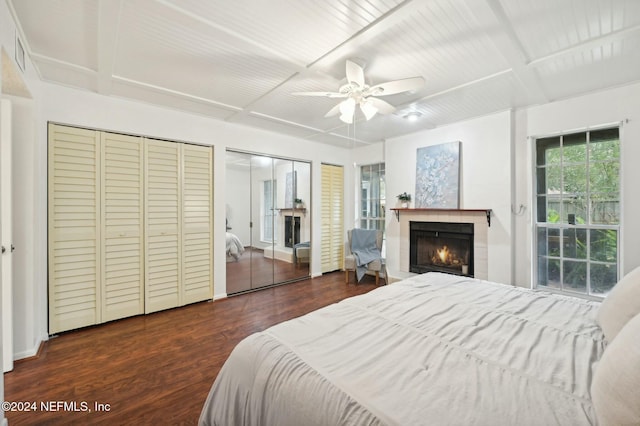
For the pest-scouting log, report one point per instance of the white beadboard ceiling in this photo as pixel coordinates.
(240, 60)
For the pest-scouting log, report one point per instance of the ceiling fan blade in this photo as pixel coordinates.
(355, 73)
(323, 94)
(333, 111)
(383, 107)
(396, 86)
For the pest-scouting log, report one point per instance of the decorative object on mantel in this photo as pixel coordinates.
(299, 203)
(438, 176)
(404, 199)
(486, 211)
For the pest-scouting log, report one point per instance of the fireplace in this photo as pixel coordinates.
(291, 230)
(441, 247)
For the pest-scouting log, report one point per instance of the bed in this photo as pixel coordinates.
(435, 349)
(234, 246)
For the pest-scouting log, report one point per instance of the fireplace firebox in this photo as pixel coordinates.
(291, 230)
(441, 247)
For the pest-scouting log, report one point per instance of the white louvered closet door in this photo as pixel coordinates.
(332, 215)
(122, 226)
(163, 211)
(74, 229)
(197, 224)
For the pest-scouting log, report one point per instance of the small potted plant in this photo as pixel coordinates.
(404, 199)
(299, 204)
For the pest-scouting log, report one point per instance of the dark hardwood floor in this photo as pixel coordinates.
(156, 369)
(253, 269)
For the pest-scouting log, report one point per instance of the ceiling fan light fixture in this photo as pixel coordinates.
(346, 118)
(348, 106)
(413, 116)
(368, 109)
(347, 109)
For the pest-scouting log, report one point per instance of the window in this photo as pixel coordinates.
(577, 226)
(372, 197)
(269, 209)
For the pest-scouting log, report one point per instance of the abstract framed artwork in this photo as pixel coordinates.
(290, 193)
(438, 176)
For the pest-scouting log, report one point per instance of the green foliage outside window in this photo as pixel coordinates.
(578, 194)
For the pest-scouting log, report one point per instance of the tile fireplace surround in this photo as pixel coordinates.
(480, 221)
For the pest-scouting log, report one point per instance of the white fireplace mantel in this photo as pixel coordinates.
(397, 211)
(295, 211)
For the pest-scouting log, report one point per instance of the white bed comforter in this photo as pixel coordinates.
(435, 349)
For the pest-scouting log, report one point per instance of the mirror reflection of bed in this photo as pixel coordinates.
(235, 248)
(268, 222)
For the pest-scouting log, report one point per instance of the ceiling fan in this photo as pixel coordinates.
(357, 92)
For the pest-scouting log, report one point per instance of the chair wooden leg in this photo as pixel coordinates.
(346, 276)
(377, 278)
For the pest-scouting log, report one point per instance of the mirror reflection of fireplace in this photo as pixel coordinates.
(291, 230)
(441, 247)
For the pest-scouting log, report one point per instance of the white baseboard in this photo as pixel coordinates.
(28, 353)
(219, 296)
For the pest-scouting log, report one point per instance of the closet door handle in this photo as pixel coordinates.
(3, 249)
(12, 248)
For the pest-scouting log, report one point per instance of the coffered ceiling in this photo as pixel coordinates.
(240, 60)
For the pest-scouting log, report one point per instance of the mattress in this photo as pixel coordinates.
(435, 349)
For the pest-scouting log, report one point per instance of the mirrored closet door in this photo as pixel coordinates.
(268, 236)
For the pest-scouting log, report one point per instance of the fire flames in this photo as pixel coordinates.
(443, 253)
(445, 257)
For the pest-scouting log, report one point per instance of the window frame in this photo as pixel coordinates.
(380, 199)
(565, 228)
(268, 208)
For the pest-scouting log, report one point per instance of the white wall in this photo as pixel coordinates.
(485, 181)
(610, 106)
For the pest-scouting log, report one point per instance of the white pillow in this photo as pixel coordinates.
(621, 304)
(614, 390)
